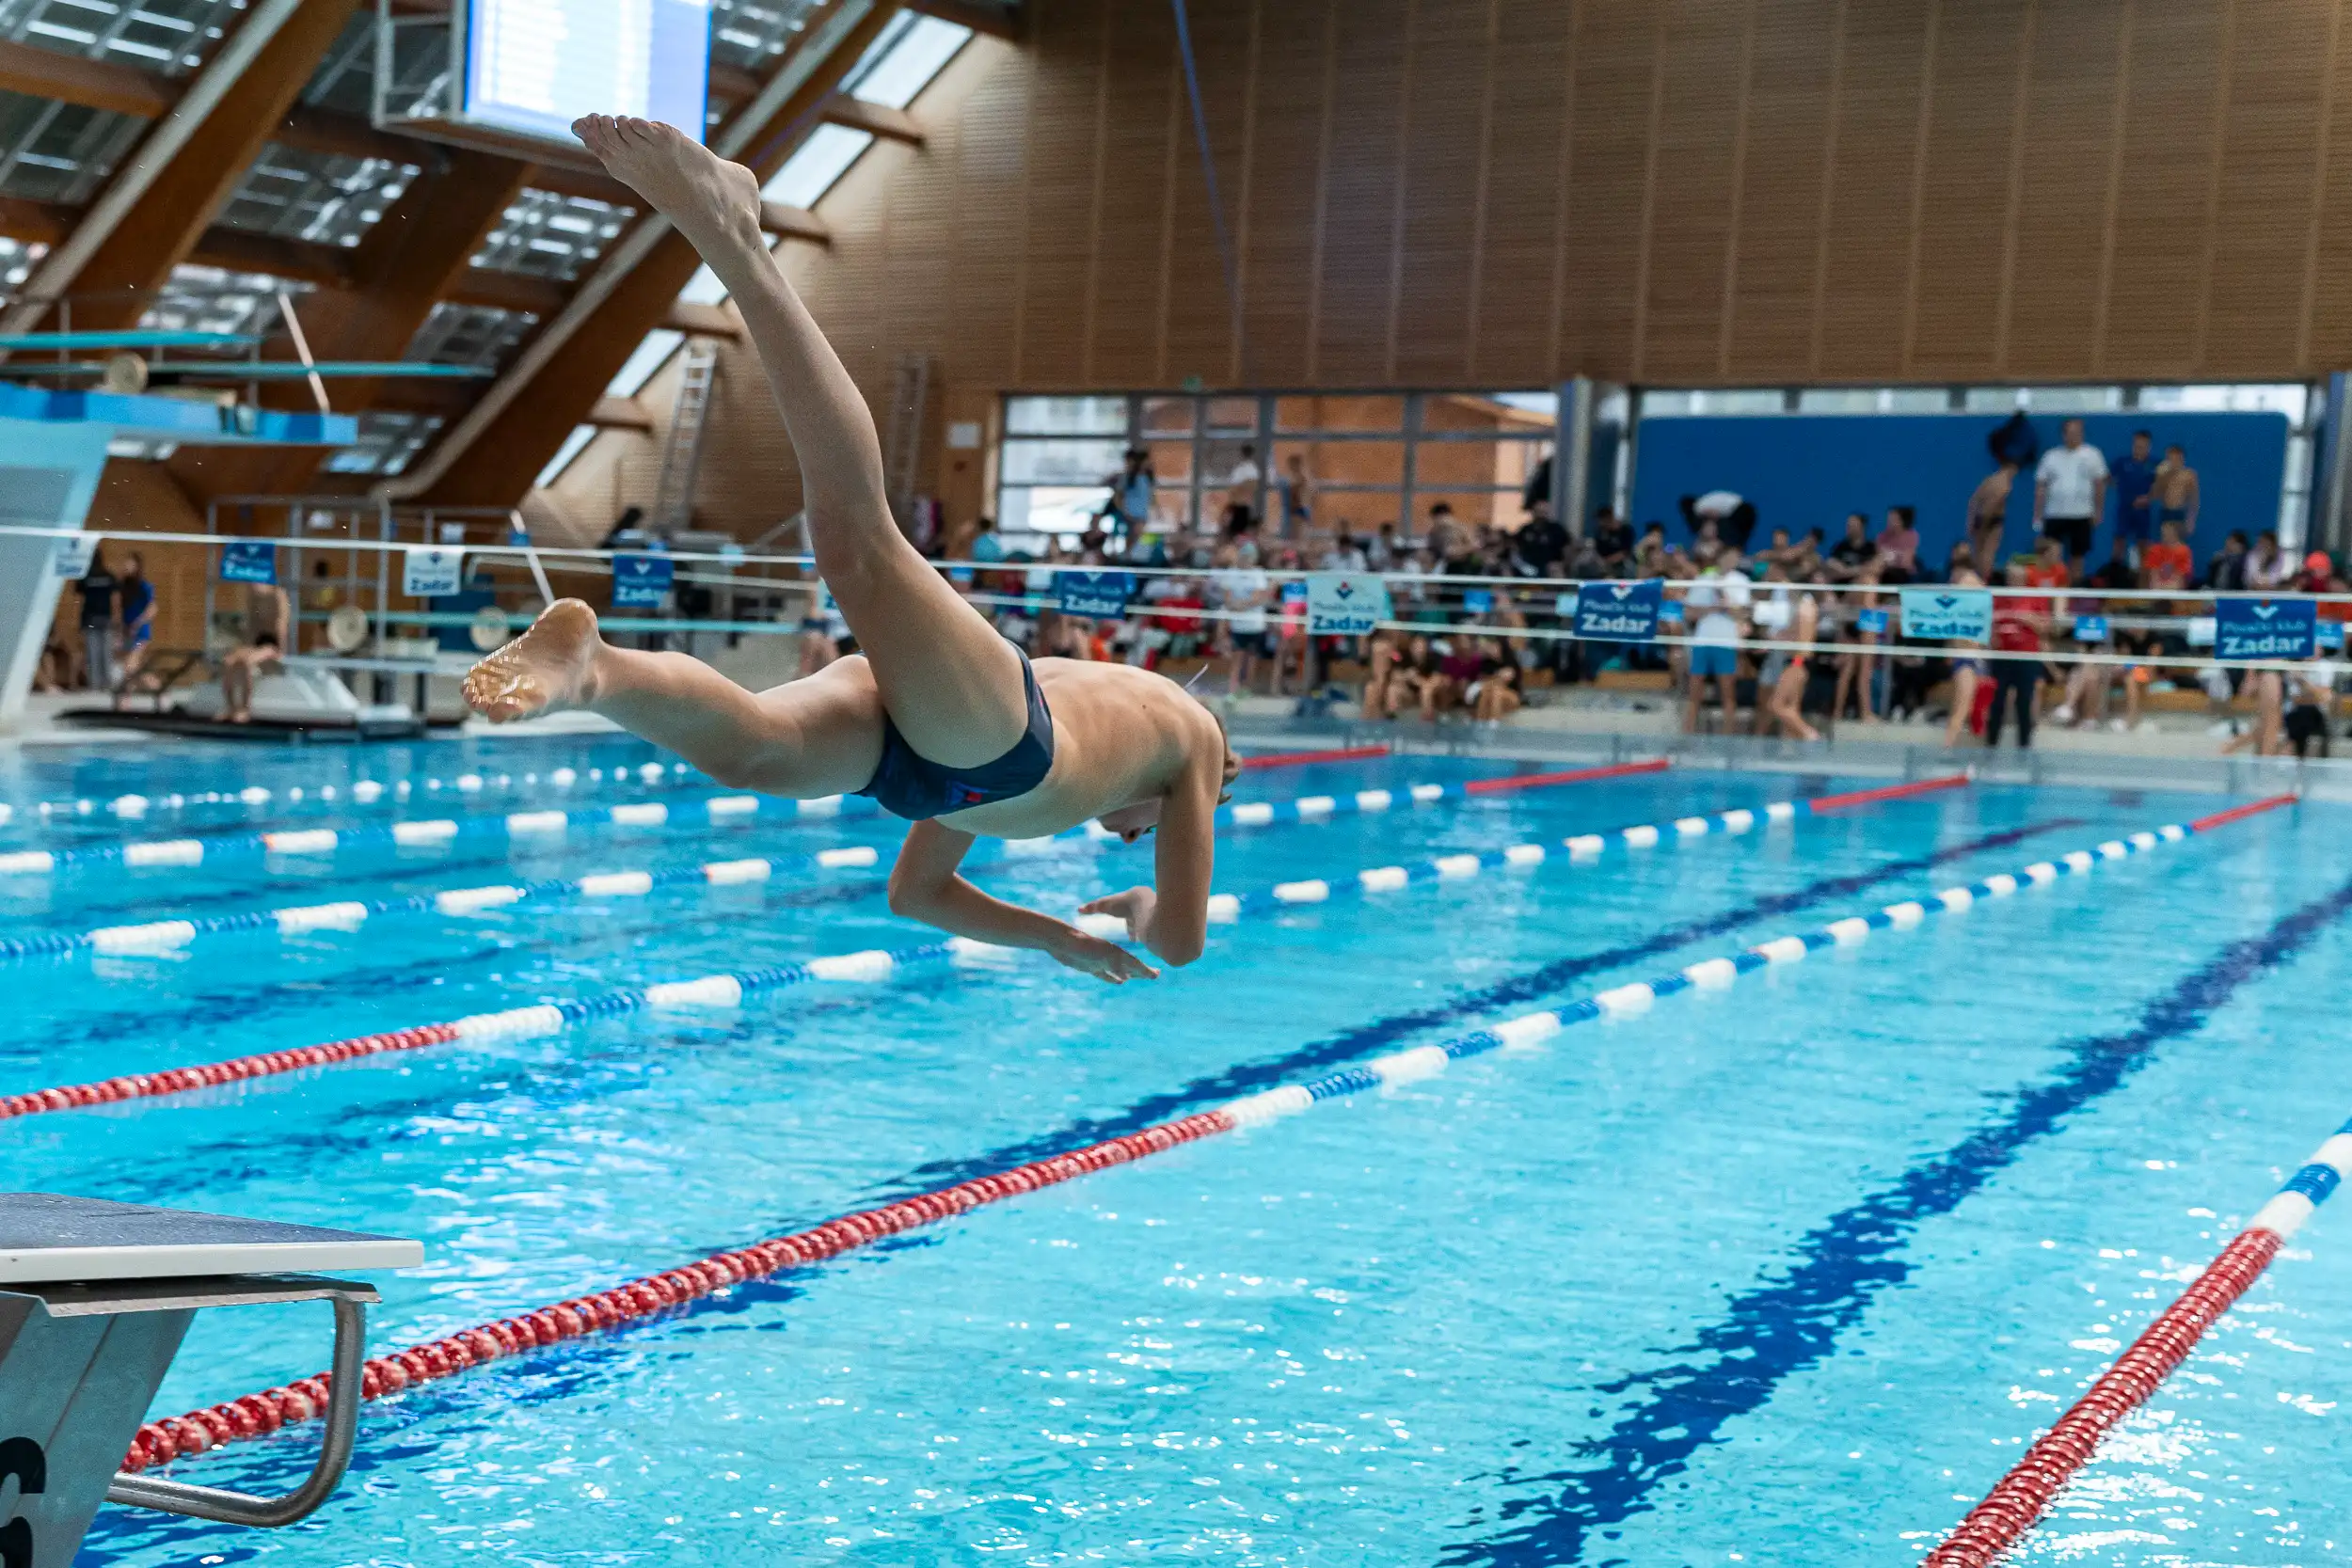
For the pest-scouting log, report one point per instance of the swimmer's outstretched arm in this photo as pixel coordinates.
(1172, 917)
(925, 886)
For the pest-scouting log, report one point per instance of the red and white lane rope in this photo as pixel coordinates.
(255, 1415)
(2021, 1498)
(729, 990)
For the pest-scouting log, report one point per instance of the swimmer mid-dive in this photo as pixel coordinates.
(939, 719)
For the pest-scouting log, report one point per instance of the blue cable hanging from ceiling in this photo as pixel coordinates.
(1208, 176)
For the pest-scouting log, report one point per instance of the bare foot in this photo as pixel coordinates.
(545, 670)
(714, 203)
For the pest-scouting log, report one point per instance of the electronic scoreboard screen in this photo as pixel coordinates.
(534, 66)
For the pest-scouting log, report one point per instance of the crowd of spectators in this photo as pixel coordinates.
(1792, 627)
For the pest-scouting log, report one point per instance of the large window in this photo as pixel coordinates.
(1305, 461)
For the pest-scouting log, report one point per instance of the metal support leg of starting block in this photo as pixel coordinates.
(95, 1299)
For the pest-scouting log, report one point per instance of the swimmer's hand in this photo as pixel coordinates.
(1134, 907)
(1104, 960)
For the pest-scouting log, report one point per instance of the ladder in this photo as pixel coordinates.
(902, 451)
(682, 444)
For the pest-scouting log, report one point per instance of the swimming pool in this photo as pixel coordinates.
(1784, 1272)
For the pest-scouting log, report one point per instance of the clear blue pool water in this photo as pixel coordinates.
(1785, 1275)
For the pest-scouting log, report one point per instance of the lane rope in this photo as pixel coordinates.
(2017, 1502)
(530, 825)
(256, 1415)
(132, 807)
(539, 1020)
(167, 935)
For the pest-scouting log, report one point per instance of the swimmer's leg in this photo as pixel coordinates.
(950, 683)
(820, 735)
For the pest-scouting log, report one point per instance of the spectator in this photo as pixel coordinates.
(139, 630)
(1988, 515)
(1854, 551)
(1969, 667)
(2177, 496)
(2047, 569)
(2318, 571)
(2269, 567)
(2135, 504)
(1650, 554)
(2265, 687)
(1732, 515)
(2020, 625)
(1857, 671)
(1450, 544)
(1540, 542)
(1780, 552)
(1243, 594)
(265, 618)
(1613, 541)
(1345, 554)
(1720, 597)
(1898, 545)
(1786, 701)
(1296, 492)
(1381, 553)
(2166, 564)
(99, 588)
(1132, 491)
(1241, 492)
(2226, 572)
(2312, 696)
(2069, 491)
(1495, 695)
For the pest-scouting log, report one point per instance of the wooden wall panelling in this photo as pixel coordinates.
(1448, 107)
(2270, 164)
(1955, 297)
(1070, 103)
(964, 303)
(1277, 233)
(1513, 331)
(1612, 69)
(1199, 312)
(1362, 190)
(1695, 171)
(1866, 259)
(2076, 70)
(1769, 327)
(2328, 332)
(1124, 342)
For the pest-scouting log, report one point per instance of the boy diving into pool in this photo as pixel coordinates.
(939, 719)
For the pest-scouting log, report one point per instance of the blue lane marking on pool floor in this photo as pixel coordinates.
(1783, 1327)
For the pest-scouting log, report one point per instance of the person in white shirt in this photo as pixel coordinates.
(1242, 591)
(1720, 598)
(2070, 489)
(1240, 494)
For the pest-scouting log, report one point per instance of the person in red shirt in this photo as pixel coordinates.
(2169, 565)
(2020, 622)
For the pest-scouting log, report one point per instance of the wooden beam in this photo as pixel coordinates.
(315, 130)
(701, 321)
(507, 290)
(794, 222)
(36, 222)
(538, 406)
(189, 188)
(123, 89)
(610, 413)
(875, 120)
(409, 260)
(243, 251)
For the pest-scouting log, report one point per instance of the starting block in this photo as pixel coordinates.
(95, 1298)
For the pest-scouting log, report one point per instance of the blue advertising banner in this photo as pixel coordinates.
(2090, 628)
(2264, 628)
(641, 582)
(1619, 612)
(1478, 601)
(248, 561)
(1963, 614)
(1340, 604)
(1097, 596)
(2330, 634)
(1870, 621)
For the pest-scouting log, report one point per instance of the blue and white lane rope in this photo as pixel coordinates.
(518, 827)
(533, 826)
(135, 807)
(729, 990)
(1530, 1029)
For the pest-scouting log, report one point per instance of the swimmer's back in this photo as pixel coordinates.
(1120, 735)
